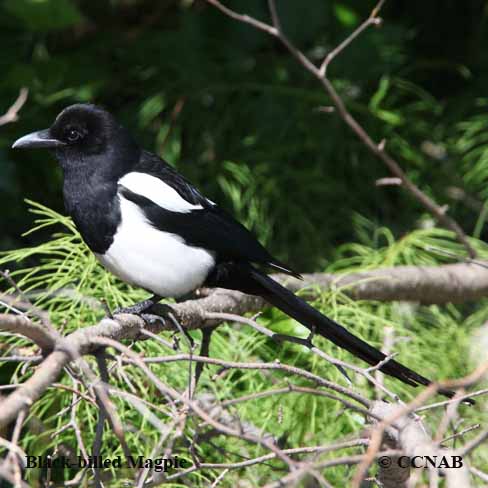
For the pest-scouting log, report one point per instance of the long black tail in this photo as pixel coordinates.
(311, 318)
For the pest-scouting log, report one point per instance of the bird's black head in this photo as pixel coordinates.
(83, 135)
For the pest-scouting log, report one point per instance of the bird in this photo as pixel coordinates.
(152, 228)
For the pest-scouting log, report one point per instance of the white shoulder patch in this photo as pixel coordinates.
(157, 191)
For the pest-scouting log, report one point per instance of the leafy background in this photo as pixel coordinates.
(248, 131)
(230, 109)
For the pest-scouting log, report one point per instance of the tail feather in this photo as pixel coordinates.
(311, 318)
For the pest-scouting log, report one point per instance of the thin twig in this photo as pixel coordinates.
(12, 114)
(371, 20)
(244, 18)
(438, 212)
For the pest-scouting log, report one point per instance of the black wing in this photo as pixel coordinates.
(211, 227)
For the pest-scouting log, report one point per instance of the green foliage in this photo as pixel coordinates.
(345, 15)
(67, 281)
(472, 148)
(237, 115)
(44, 15)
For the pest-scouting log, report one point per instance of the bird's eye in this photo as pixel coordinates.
(73, 135)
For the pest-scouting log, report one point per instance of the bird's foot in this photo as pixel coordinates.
(138, 308)
(152, 319)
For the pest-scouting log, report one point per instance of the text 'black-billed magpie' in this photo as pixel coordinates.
(152, 228)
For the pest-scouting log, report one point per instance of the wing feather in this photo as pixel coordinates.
(209, 227)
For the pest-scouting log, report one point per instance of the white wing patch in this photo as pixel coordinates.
(157, 191)
(152, 259)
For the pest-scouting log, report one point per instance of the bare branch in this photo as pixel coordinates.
(373, 19)
(482, 437)
(342, 365)
(19, 324)
(432, 207)
(246, 19)
(12, 114)
(267, 457)
(277, 366)
(399, 418)
(192, 314)
(24, 396)
(214, 415)
(452, 283)
(87, 340)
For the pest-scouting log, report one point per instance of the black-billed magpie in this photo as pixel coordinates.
(152, 228)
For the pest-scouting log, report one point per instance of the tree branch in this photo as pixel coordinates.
(442, 284)
(12, 114)
(450, 283)
(411, 437)
(378, 150)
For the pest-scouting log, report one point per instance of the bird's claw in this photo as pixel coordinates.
(136, 309)
(152, 319)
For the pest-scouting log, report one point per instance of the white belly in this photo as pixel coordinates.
(154, 260)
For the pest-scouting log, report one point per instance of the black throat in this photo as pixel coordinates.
(90, 191)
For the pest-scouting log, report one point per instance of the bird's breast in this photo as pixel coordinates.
(158, 261)
(95, 209)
